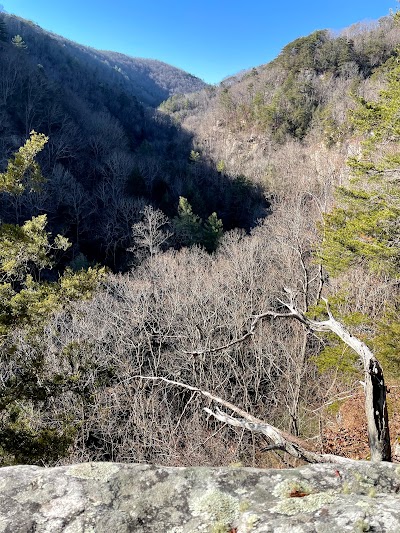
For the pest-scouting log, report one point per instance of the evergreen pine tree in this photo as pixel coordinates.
(19, 43)
(363, 231)
(212, 233)
(365, 227)
(26, 303)
(187, 224)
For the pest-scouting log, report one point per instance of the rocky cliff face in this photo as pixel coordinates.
(119, 498)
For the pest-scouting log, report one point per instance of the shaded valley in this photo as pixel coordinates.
(219, 213)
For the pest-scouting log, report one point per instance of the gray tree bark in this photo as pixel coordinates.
(374, 383)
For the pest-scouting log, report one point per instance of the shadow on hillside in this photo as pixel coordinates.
(107, 155)
(166, 168)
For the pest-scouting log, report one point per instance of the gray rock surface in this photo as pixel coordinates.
(119, 498)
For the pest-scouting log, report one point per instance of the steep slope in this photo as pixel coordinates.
(281, 130)
(153, 80)
(148, 80)
(109, 153)
(298, 101)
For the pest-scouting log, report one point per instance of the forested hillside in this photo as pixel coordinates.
(109, 153)
(149, 80)
(233, 220)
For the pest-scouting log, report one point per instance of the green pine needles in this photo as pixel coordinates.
(363, 231)
(26, 304)
(365, 228)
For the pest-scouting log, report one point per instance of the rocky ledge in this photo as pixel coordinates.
(118, 498)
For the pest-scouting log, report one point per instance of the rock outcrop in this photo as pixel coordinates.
(119, 498)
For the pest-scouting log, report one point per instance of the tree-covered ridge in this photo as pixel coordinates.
(323, 52)
(158, 194)
(153, 80)
(148, 80)
(108, 155)
(295, 93)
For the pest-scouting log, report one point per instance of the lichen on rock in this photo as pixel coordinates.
(291, 488)
(108, 497)
(298, 496)
(306, 504)
(97, 471)
(220, 508)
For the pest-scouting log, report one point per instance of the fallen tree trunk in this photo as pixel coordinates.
(374, 383)
(280, 440)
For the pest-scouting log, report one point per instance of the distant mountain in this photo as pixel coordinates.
(153, 80)
(110, 151)
(149, 80)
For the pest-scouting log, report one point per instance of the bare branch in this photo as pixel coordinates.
(248, 334)
(375, 389)
(280, 439)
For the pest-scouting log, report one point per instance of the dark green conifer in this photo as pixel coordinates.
(365, 227)
(363, 231)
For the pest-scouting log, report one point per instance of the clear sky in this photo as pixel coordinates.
(208, 38)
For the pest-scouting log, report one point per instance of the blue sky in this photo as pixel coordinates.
(208, 38)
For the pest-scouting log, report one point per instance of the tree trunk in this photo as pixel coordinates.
(375, 388)
(377, 413)
(374, 383)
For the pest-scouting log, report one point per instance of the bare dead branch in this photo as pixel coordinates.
(247, 335)
(375, 389)
(280, 439)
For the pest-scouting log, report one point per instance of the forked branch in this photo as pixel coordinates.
(375, 388)
(279, 439)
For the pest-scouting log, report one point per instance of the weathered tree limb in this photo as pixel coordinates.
(375, 388)
(279, 439)
(374, 383)
(252, 329)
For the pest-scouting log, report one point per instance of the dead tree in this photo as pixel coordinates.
(280, 440)
(374, 387)
(374, 383)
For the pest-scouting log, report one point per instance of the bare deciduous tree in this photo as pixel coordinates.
(150, 234)
(374, 384)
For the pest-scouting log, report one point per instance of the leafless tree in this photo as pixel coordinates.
(374, 383)
(150, 234)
